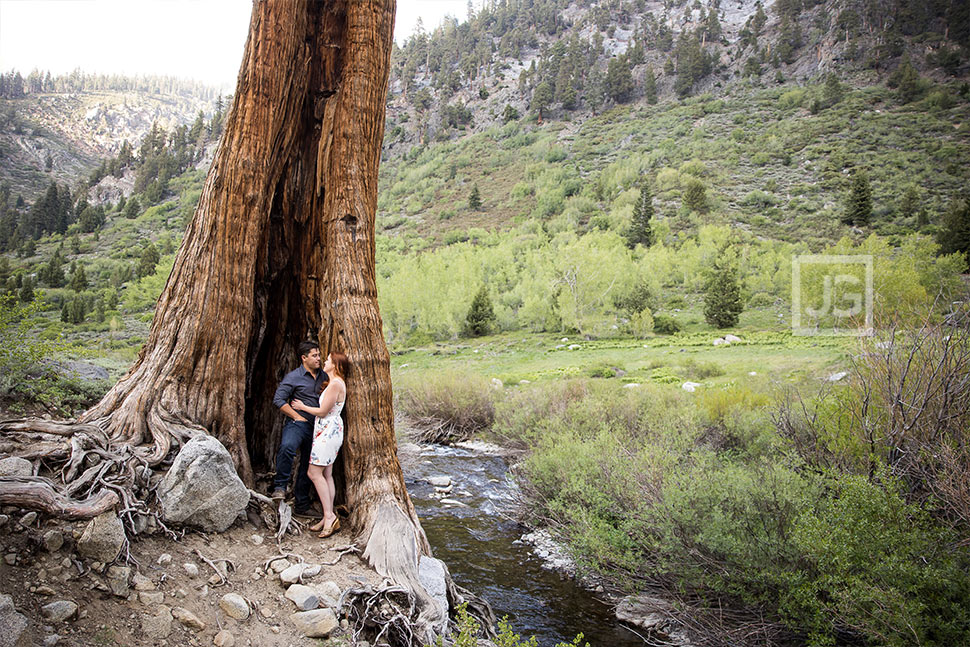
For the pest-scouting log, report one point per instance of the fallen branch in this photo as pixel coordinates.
(222, 576)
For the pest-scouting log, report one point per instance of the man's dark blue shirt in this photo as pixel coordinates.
(300, 383)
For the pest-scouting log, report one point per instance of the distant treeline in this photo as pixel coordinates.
(13, 85)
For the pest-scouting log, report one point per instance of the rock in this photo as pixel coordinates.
(224, 639)
(731, 338)
(191, 569)
(103, 538)
(574, 347)
(142, 583)
(303, 597)
(159, 624)
(433, 575)
(497, 383)
(52, 640)
(4, 520)
(279, 565)
(318, 623)
(835, 377)
(10, 558)
(28, 519)
(202, 488)
(266, 612)
(53, 540)
(631, 385)
(188, 619)
(164, 559)
(439, 481)
(690, 387)
(13, 624)
(151, 598)
(721, 342)
(16, 466)
(118, 577)
(296, 572)
(645, 612)
(59, 610)
(257, 540)
(329, 593)
(45, 590)
(234, 606)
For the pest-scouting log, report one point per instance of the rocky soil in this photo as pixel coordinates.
(162, 591)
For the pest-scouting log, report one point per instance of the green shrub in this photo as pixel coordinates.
(666, 324)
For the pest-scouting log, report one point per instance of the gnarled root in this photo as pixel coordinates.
(95, 472)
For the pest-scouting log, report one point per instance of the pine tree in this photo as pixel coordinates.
(475, 199)
(954, 236)
(132, 207)
(542, 97)
(149, 259)
(641, 232)
(858, 210)
(650, 86)
(722, 294)
(619, 79)
(79, 279)
(480, 315)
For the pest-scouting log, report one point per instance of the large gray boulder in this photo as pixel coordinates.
(103, 538)
(202, 489)
(13, 624)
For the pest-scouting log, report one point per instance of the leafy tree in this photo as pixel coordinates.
(641, 232)
(858, 210)
(475, 199)
(954, 236)
(722, 294)
(481, 315)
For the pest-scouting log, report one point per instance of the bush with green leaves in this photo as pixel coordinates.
(666, 324)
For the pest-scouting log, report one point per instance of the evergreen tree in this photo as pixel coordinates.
(149, 259)
(641, 231)
(695, 195)
(650, 86)
(79, 279)
(475, 199)
(722, 294)
(954, 236)
(832, 92)
(858, 210)
(509, 114)
(132, 208)
(27, 291)
(542, 97)
(481, 316)
(619, 79)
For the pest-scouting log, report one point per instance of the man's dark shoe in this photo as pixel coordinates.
(304, 511)
(278, 494)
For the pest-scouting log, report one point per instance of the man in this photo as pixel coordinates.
(303, 383)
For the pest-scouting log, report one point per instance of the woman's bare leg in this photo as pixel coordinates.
(324, 492)
(327, 502)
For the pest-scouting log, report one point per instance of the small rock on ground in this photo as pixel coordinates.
(318, 623)
(234, 606)
(59, 610)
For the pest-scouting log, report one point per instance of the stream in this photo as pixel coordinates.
(469, 529)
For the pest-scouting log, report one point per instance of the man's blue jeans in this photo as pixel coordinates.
(296, 436)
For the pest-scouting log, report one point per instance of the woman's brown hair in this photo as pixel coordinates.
(341, 364)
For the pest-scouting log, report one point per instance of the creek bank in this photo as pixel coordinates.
(471, 510)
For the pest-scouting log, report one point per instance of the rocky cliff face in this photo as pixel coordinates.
(62, 137)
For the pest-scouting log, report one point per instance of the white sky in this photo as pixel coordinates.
(193, 39)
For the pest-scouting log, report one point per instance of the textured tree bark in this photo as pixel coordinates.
(282, 248)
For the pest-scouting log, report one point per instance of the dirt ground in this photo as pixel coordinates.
(38, 576)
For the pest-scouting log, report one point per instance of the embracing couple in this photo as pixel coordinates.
(312, 399)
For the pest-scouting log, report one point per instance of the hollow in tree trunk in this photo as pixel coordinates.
(281, 249)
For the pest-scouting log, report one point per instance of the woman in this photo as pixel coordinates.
(328, 436)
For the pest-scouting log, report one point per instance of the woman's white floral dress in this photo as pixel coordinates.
(328, 436)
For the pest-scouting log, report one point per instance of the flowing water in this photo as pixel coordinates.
(470, 530)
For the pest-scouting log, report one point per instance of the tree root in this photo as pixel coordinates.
(38, 493)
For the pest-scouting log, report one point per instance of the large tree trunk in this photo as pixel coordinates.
(281, 248)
